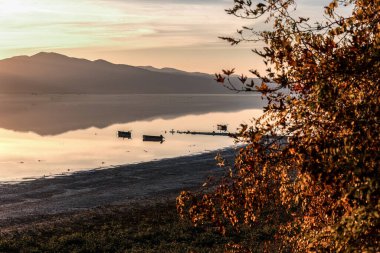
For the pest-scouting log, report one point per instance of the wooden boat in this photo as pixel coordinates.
(222, 127)
(124, 134)
(153, 138)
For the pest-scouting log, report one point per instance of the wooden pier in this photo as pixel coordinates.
(206, 133)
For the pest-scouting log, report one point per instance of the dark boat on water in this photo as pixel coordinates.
(222, 127)
(159, 138)
(124, 134)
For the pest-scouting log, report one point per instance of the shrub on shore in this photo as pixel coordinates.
(323, 92)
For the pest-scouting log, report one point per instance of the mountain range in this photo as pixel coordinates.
(52, 73)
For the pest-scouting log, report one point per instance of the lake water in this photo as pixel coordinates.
(49, 135)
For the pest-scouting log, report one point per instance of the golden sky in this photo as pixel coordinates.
(163, 33)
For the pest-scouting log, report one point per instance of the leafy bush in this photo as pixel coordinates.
(313, 157)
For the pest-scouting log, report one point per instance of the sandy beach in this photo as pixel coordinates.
(148, 182)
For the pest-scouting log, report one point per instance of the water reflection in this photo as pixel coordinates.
(56, 114)
(82, 135)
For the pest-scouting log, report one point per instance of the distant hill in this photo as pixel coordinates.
(46, 73)
(173, 71)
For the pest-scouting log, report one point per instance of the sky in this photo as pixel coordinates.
(163, 33)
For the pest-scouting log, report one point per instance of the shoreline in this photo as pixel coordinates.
(69, 173)
(142, 183)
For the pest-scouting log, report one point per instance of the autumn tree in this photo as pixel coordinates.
(314, 154)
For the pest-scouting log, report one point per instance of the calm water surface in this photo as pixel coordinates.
(43, 136)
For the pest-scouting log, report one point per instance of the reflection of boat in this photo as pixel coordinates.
(153, 138)
(124, 134)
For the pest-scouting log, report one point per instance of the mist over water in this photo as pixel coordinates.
(48, 135)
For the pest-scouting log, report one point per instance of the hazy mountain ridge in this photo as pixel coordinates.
(46, 73)
(173, 71)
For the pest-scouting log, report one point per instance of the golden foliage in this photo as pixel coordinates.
(315, 151)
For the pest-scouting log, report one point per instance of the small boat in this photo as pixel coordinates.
(153, 138)
(222, 127)
(124, 134)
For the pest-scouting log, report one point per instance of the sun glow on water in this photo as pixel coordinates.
(24, 155)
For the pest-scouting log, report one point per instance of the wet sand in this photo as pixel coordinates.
(143, 183)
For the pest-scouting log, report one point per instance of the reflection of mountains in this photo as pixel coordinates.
(55, 114)
(51, 73)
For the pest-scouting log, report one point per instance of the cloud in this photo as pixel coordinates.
(28, 26)
(174, 1)
(133, 24)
